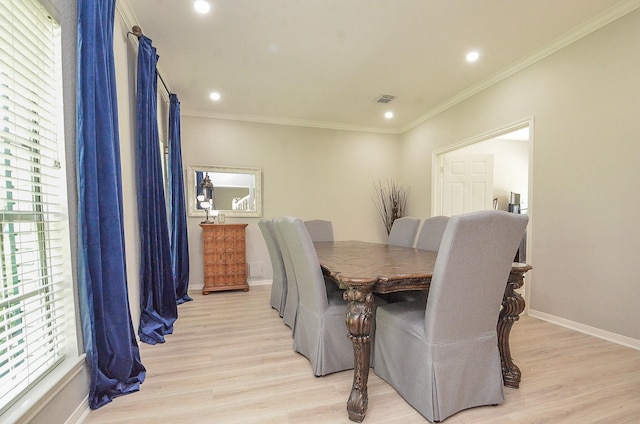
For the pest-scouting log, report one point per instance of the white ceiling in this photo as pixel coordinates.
(323, 63)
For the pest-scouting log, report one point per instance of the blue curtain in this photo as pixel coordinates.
(157, 291)
(179, 239)
(110, 344)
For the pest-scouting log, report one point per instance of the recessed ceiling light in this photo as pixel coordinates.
(202, 6)
(388, 115)
(215, 96)
(472, 56)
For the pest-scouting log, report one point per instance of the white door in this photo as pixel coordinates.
(467, 183)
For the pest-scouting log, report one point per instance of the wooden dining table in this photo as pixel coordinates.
(362, 269)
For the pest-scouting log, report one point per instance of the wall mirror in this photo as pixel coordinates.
(237, 192)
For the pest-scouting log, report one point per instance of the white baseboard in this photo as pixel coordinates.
(80, 413)
(592, 331)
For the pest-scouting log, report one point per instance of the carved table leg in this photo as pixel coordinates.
(359, 318)
(512, 307)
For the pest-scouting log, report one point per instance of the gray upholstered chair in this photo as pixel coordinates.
(279, 284)
(431, 232)
(291, 300)
(320, 332)
(403, 231)
(428, 238)
(444, 357)
(320, 230)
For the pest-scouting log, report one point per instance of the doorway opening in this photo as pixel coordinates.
(482, 173)
(490, 171)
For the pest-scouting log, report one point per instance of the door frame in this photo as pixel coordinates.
(437, 180)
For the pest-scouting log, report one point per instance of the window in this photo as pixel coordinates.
(36, 301)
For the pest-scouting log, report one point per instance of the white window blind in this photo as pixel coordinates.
(34, 239)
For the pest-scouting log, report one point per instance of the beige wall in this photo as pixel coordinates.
(125, 54)
(306, 172)
(584, 233)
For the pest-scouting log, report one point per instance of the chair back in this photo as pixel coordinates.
(470, 274)
(319, 229)
(311, 287)
(291, 301)
(279, 283)
(431, 232)
(275, 254)
(403, 231)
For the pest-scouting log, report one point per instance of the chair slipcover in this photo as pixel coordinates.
(444, 358)
(291, 299)
(403, 235)
(431, 233)
(279, 284)
(403, 231)
(320, 230)
(320, 331)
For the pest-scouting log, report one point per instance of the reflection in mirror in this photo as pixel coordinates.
(236, 191)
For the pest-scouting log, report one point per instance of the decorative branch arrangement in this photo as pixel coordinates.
(391, 202)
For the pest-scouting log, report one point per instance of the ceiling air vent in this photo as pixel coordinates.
(385, 98)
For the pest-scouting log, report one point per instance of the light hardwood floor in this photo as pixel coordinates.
(230, 360)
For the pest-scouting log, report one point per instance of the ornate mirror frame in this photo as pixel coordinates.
(254, 175)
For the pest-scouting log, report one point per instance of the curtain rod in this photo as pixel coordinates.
(137, 31)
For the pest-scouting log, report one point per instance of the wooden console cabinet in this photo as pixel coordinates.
(224, 257)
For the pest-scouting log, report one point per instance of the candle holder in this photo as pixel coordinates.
(205, 199)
